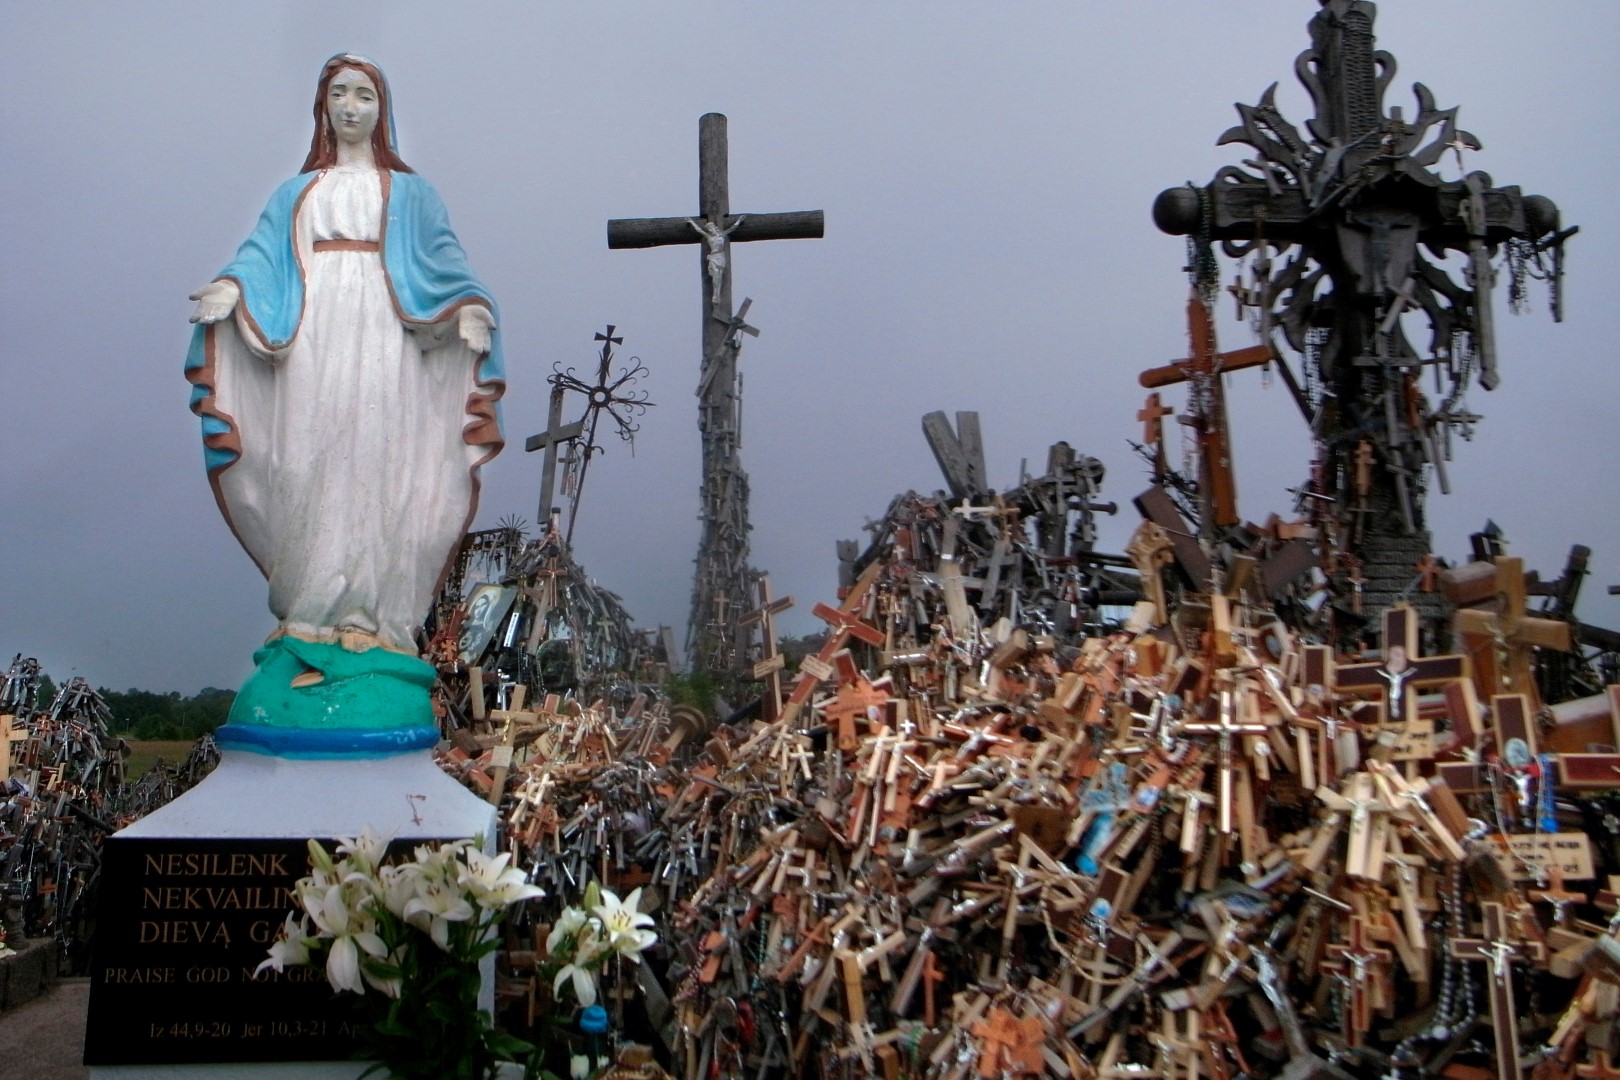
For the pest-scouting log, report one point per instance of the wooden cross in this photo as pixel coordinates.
(1555, 894)
(723, 551)
(1224, 726)
(1495, 948)
(811, 674)
(556, 432)
(1359, 963)
(1502, 643)
(1365, 855)
(501, 755)
(1152, 415)
(1402, 671)
(1428, 569)
(9, 735)
(1205, 365)
(771, 660)
(1010, 1046)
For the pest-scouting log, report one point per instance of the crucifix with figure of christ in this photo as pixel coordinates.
(722, 562)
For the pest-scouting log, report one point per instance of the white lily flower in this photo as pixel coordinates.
(491, 884)
(397, 885)
(365, 852)
(569, 923)
(350, 930)
(291, 947)
(433, 908)
(584, 983)
(624, 924)
(389, 985)
(579, 1067)
(588, 947)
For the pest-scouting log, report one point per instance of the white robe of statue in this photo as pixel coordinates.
(354, 491)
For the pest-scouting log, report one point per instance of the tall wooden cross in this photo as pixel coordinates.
(556, 432)
(722, 563)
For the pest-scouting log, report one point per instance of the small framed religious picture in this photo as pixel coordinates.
(486, 609)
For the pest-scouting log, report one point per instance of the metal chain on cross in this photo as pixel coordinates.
(611, 394)
(1203, 271)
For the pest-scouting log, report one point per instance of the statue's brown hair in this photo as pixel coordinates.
(323, 144)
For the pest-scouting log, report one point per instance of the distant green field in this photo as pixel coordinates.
(144, 752)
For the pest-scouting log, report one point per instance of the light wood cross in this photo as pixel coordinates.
(9, 735)
(1223, 727)
(1502, 643)
(771, 660)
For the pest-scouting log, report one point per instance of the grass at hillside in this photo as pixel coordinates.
(144, 752)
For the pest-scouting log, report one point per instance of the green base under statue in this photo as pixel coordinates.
(363, 704)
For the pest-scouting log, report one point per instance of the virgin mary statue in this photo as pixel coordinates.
(346, 369)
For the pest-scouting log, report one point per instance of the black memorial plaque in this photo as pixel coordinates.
(181, 925)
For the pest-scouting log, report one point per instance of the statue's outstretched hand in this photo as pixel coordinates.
(474, 324)
(215, 301)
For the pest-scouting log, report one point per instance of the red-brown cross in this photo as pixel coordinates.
(1495, 948)
(1011, 1046)
(840, 628)
(1428, 569)
(1358, 962)
(1152, 415)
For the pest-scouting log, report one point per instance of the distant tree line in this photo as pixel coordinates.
(142, 714)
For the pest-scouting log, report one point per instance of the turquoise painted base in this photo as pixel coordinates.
(367, 704)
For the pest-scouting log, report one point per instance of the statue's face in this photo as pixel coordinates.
(351, 106)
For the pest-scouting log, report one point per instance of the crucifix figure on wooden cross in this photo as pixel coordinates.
(723, 551)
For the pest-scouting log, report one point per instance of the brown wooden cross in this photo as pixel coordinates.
(1358, 962)
(771, 660)
(723, 551)
(1152, 415)
(1010, 1046)
(1502, 643)
(1495, 948)
(1402, 671)
(816, 668)
(1428, 569)
(1206, 366)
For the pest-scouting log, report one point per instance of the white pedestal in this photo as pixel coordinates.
(257, 796)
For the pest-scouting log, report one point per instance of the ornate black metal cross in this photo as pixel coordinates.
(1335, 220)
(723, 551)
(610, 394)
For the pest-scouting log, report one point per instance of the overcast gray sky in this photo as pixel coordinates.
(986, 171)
